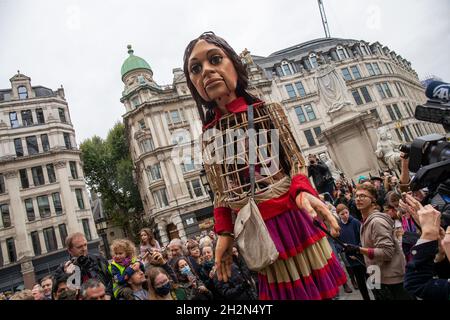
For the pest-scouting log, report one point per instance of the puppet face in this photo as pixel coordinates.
(212, 73)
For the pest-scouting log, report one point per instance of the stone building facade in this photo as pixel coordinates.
(43, 195)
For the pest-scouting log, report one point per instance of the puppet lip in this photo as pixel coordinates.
(211, 81)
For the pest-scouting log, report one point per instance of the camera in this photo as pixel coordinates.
(81, 261)
(429, 159)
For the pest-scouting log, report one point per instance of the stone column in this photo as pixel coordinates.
(179, 223)
(42, 241)
(27, 269)
(162, 227)
(5, 253)
(18, 216)
(67, 198)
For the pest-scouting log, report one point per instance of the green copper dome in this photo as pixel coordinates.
(133, 62)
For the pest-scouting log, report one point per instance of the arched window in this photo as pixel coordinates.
(313, 60)
(342, 52)
(364, 50)
(23, 93)
(287, 69)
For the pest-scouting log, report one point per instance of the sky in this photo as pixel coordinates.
(82, 44)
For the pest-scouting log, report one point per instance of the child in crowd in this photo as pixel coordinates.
(123, 265)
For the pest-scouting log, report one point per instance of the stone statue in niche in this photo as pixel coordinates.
(332, 89)
(387, 149)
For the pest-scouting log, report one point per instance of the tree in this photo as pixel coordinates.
(108, 170)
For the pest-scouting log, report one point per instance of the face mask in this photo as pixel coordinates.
(209, 264)
(163, 290)
(185, 270)
(123, 262)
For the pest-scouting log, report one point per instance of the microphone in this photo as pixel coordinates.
(438, 90)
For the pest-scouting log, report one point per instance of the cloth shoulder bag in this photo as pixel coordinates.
(251, 234)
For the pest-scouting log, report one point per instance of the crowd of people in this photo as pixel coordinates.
(397, 232)
(379, 226)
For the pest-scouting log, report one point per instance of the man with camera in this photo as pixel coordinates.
(89, 266)
(323, 180)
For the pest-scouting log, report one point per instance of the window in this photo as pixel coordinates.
(300, 89)
(6, 218)
(40, 116)
(24, 178)
(391, 112)
(310, 112)
(135, 101)
(154, 172)
(32, 145)
(146, 145)
(346, 74)
(44, 206)
(175, 116)
(409, 132)
(142, 124)
(386, 89)
(29, 208)
(364, 50)
(399, 89)
(397, 111)
(13, 119)
(376, 68)
(380, 91)
(300, 114)
(194, 188)
(38, 176)
(23, 93)
(309, 138)
(370, 69)
(2, 184)
(36, 243)
(51, 173)
(86, 229)
(79, 195)
(45, 143)
(27, 118)
(317, 131)
(50, 239)
(405, 134)
(290, 91)
(365, 94)
(342, 53)
(57, 203)
(355, 71)
(11, 247)
(286, 68)
(73, 169)
(313, 60)
(18, 146)
(62, 115)
(160, 197)
(67, 142)
(357, 97)
(188, 165)
(63, 233)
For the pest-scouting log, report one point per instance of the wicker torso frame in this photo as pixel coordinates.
(226, 156)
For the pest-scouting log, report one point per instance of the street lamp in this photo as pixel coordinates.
(101, 226)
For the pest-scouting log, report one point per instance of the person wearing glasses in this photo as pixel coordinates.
(382, 253)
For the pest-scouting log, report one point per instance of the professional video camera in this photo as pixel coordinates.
(429, 156)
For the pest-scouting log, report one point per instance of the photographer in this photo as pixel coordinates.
(420, 272)
(323, 180)
(91, 266)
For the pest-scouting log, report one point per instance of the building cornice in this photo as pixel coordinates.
(42, 155)
(32, 101)
(159, 102)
